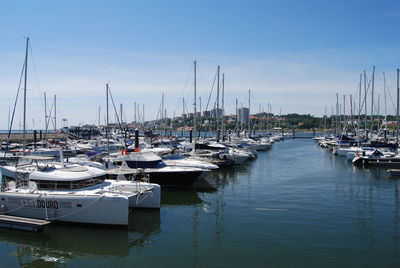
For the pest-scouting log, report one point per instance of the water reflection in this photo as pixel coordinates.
(371, 197)
(63, 243)
(223, 177)
(176, 197)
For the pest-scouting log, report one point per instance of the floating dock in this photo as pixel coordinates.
(20, 223)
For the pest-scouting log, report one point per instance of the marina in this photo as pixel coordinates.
(200, 134)
(319, 212)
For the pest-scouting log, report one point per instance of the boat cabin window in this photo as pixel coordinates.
(68, 185)
(143, 164)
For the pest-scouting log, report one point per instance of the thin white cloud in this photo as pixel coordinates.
(301, 82)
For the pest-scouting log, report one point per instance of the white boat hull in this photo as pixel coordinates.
(84, 209)
(146, 195)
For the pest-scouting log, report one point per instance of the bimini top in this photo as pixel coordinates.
(144, 156)
(66, 173)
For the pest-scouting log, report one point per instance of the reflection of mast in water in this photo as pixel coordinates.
(195, 223)
(143, 223)
(219, 219)
(396, 218)
(225, 176)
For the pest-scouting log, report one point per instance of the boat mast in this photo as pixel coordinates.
(325, 115)
(372, 98)
(25, 84)
(344, 114)
(365, 103)
(237, 115)
(222, 104)
(249, 114)
(359, 107)
(120, 112)
(45, 115)
(217, 110)
(143, 113)
(384, 96)
(195, 96)
(162, 110)
(107, 134)
(397, 111)
(55, 116)
(351, 112)
(337, 127)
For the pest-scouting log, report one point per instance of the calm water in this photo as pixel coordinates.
(295, 206)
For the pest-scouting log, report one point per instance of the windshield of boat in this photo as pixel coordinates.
(173, 157)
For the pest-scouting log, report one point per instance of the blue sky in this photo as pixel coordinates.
(294, 54)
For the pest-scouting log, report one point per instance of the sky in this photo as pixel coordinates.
(293, 54)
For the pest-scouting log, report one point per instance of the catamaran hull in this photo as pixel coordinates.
(89, 209)
(146, 195)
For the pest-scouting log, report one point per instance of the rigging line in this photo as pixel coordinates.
(116, 113)
(364, 99)
(183, 89)
(49, 116)
(159, 112)
(35, 72)
(15, 105)
(390, 97)
(208, 102)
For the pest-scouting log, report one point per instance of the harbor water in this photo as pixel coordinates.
(296, 205)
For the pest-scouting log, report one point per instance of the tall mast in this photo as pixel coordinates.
(372, 98)
(223, 104)
(55, 115)
(25, 84)
(217, 111)
(379, 107)
(344, 114)
(107, 136)
(162, 109)
(351, 111)
(143, 113)
(45, 115)
(337, 127)
(98, 123)
(359, 107)
(365, 103)
(183, 106)
(237, 116)
(397, 110)
(120, 112)
(384, 96)
(249, 114)
(195, 96)
(325, 122)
